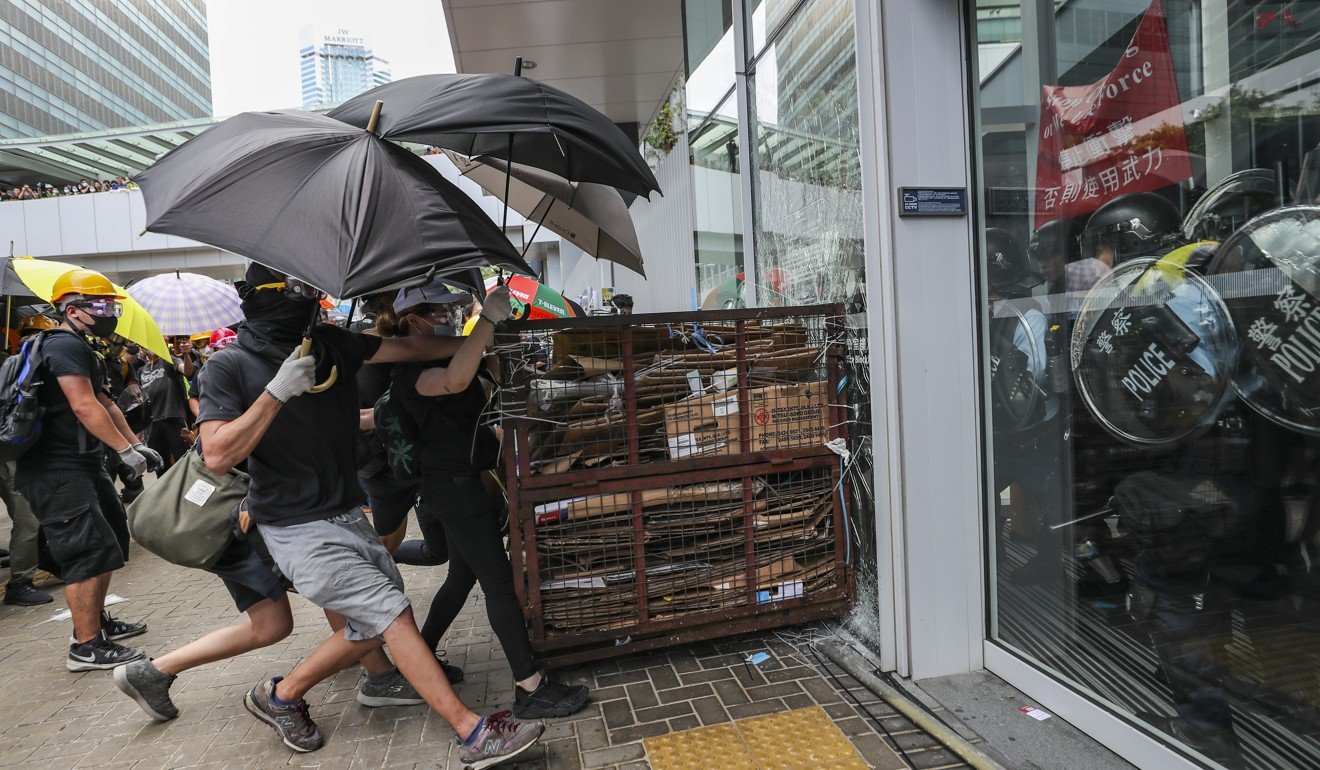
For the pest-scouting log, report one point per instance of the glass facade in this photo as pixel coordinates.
(71, 67)
(807, 214)
(1148, 175)
(799, 112)
(334, 68)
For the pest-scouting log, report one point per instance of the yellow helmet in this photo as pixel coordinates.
(36, 323)
(84, 282)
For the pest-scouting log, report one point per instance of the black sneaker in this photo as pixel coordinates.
(551, 699)
(453, 673)
(291, 722)
(116, 629)
(100, 653)
(24, 594)
(149, 686)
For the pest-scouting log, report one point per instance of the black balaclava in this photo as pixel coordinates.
(273, 316)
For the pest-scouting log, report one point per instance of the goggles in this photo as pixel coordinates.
(104, 308)
(293, 288)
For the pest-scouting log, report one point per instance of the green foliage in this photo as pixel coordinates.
(661, 135)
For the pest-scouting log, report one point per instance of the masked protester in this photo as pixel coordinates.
(304, 499)
(62, 476)
(164, 383)
(448, 402)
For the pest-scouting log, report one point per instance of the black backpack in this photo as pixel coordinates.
(400, 435)
(20, 409)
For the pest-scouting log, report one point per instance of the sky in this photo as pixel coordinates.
(254, 44)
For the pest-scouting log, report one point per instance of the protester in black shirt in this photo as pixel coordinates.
(62, 476)
(165, 387)
(305, 499)
(448, 402)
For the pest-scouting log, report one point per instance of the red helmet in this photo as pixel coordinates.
(221, 337)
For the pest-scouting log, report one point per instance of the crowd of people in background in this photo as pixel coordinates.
(38, 190)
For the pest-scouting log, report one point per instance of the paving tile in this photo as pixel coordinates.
(611, 756)
(642, 695)
(710, 711)
(709, 747)
(638, 732)
(617, 713)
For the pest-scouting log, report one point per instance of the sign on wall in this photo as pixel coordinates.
(1123, 134)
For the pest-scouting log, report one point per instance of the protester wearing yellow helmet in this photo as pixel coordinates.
(63, 475)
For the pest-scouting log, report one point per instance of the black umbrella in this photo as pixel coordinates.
(323, 201)
(508, 117)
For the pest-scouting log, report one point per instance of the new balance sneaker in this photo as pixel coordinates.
(24, 594)
(291, 721)
(149, 686)
(550, 699)
(388, 689)
(496, 740)
(116, 629)
(100, 653)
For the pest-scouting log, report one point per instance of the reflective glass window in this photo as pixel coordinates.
(1149, 241)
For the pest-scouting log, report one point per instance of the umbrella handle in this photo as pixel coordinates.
(306, 349)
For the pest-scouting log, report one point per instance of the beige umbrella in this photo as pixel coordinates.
(592, 217)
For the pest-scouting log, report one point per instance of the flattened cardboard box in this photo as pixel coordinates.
(782, 416)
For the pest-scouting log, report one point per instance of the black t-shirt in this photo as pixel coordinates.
(303, 467)
(164, 388)
(118, 376)
(454, 438)
(373, 380)
(64, 443)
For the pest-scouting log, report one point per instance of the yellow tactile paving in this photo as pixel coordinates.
(702, 748)
(804, 739)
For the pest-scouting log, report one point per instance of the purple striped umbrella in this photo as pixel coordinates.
(187, 303)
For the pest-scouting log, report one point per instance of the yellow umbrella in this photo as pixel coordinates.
(135, 324)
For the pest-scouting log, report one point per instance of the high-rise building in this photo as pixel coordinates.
(337, 67)
(70, 66)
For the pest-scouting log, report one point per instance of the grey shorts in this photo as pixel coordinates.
(339, 564)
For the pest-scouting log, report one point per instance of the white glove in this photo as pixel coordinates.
(154, 461)
(134, 460)
(497, 306)
(295, 377)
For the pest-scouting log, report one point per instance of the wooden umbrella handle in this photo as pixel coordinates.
(305, 350)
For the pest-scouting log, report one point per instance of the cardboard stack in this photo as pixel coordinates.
(686, 395)
(694, 545)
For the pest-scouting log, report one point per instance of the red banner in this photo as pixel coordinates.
(1123, 134)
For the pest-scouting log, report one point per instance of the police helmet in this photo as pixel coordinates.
(1230, 204)
(1010, 269)
(1130, 226)
(1055, 240)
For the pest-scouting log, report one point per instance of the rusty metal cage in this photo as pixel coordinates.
(670, 477)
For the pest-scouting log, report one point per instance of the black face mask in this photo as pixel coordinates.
(273, 315)
(101, 326)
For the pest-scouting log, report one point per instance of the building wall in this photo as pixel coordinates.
(103, 231)
(665, 231)
(70, 66)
